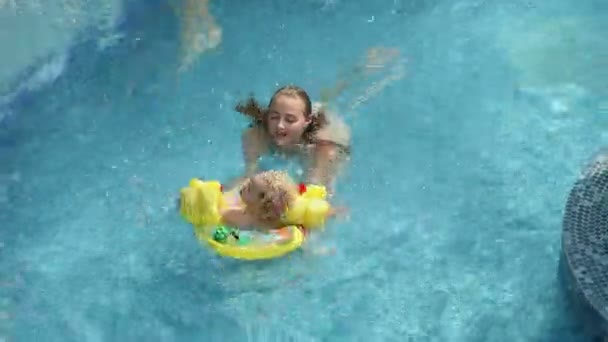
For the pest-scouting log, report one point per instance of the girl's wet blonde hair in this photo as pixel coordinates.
(259, 114)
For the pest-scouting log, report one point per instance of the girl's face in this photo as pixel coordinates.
(287, 120)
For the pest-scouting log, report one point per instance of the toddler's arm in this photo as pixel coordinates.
(236, 217)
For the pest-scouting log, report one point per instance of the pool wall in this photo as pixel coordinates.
(584, 259)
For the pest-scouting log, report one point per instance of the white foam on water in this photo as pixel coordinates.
(46, 31)
(46, 74)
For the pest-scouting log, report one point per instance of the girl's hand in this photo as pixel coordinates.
(324, 251)
(339, 212)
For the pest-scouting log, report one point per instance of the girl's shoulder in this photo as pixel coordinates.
(256, 134)
(255, 129)
(335, 131)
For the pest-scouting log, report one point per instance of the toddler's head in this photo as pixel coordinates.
(268, 194)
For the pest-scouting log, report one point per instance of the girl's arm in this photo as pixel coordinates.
(323, 164)
(329, 152)
(254, 144)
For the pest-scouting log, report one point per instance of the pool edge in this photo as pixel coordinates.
(581, 269)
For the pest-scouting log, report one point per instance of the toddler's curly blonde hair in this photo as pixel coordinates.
(279, 193)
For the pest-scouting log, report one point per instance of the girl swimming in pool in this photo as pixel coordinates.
(292, 125)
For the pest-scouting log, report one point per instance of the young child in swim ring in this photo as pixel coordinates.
(262, 200)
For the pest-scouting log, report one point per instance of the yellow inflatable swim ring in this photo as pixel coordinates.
(202, 201)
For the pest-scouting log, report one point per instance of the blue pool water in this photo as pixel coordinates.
(456, 186)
